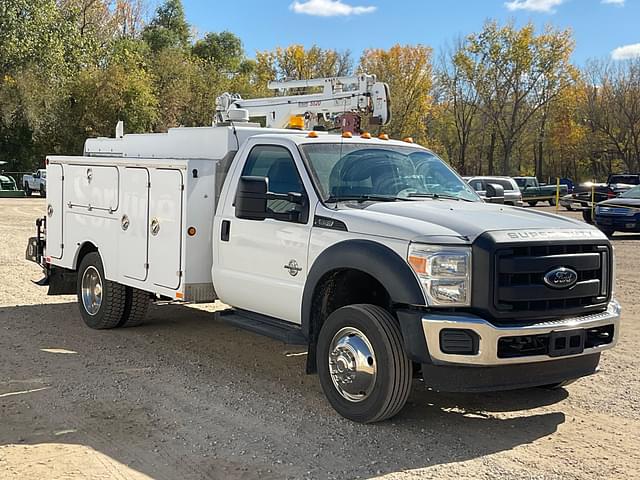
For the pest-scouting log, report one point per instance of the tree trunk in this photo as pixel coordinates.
(506, 157)
(492, 148)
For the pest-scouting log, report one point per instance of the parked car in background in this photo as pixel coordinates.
(35, 182)
(534, 192)
(8, 186)
(621, 214)
(580, 199)
(569, 183)
(512, 194)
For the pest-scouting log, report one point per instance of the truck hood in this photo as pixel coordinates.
(432, 219)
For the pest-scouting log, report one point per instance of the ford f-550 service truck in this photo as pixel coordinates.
(371, 252)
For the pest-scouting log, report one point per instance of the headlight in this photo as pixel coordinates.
(445, 273)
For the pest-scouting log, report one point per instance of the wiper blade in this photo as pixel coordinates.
(363, 198)
(436, 196)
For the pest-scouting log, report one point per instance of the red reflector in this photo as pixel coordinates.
(47, 259)
(610, 194)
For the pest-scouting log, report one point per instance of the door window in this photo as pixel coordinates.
(275, 163)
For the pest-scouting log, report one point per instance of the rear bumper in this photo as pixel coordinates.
(488, 337)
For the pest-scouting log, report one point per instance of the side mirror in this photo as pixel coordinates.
(251, 198)
(495, 193)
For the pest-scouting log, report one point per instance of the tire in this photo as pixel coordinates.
(136, 307)
(533, 203)
(569, 208)
(27, 190)
(586, 216)
(43, 192)
(552, 202)
(102, 302)
(607, 231)
(376, 334)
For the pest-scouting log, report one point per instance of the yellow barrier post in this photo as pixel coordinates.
(557, 193)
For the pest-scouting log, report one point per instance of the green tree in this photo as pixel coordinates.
(168, 28)
(516, 74)
(223, 50)
(407, 70)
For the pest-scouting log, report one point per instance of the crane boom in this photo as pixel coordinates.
(362, 95)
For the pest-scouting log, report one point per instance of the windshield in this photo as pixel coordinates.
(356, 171)
(632, 193)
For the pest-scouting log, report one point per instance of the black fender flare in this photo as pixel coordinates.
(370, 257)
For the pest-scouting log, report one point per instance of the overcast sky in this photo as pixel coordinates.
(602, 28)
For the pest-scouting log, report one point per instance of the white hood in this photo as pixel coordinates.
(411, 220)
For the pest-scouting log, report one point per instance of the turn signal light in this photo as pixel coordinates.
(419, 264)
(347, 135)
(383, 136)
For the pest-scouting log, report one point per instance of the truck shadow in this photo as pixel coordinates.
(233, 386)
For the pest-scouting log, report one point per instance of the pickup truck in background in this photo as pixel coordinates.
(533, 192)
(35, 182)
(512, 195)
(371, 253)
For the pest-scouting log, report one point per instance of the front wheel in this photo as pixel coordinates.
(552, 202)
(532, 203)
(586, 216)
(27, 190)
(363, 368)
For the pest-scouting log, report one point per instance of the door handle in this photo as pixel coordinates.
(225, 230)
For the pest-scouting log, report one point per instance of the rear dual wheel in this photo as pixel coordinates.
(104, 303)
(363, 368)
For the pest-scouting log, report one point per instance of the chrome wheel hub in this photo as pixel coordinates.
(91, 290)
(352, 364)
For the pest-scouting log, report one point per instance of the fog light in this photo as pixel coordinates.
(458, 342)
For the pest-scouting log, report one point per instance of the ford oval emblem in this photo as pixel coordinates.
(561, 277)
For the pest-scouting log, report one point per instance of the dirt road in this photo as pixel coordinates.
(186, 396)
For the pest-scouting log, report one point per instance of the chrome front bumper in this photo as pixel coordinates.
(489, 335)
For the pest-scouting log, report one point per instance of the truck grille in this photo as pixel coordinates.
(515, 291)
(520, 288)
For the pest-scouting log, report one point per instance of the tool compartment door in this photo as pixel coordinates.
(134, 223)
(54, 211)
(165, 227)
(92, 187)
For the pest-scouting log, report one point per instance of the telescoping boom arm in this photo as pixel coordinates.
(360, 94)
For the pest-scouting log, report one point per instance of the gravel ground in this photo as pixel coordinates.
(187, 396)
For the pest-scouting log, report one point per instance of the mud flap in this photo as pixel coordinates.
(60, 281)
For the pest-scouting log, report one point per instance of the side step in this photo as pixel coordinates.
(286, 332)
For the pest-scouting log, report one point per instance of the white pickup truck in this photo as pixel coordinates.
(35, 182)
(372, 253)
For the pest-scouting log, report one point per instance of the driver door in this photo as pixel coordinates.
(262, 264)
